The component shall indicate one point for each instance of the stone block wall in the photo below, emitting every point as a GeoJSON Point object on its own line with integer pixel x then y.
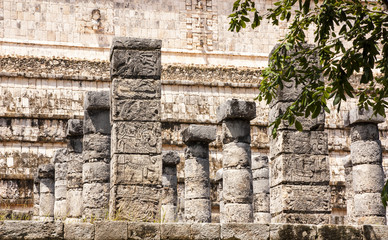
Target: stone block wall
{"type": "Point", "coordinates": [185, 231]}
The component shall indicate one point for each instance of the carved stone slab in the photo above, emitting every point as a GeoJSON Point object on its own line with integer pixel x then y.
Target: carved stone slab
{"type": "Point", "coordinates": [300, 198]}
{"type": "Point", "coordinates": [135, 63]}
{"type": "Point", "coordinates": [136, 89]}
{"type": "Point", "coordinates": [136, 137]}
{"type": "Point", "coordinates": [300, 169]}
{"type": "Point", "coordinates": [136, 169]}
{"type": "Point", "coordinates": [312, 142]}
{"type": "Point", "coordinates": [136, 110]}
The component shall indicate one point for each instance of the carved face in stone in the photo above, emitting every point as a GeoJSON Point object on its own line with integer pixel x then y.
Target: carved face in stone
{"type": "Point", "coordinates": [96, 15]}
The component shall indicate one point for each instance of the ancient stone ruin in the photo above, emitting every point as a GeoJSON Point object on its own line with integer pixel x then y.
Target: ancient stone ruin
{"type": "Point", "coordinates": [115, 179]}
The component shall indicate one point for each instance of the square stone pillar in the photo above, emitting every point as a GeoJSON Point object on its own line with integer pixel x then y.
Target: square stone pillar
{"type": "Point", "coordinates": [299, 165]}
{"type": "Point", "coordinates": [74, 134]}
{"type": "Point", "coordinates": [136, 167]}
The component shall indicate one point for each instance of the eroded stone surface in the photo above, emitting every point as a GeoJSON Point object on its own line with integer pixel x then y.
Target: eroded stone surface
{"type": "Point", "coordinates": [199, 133]}
{"type": "Point", "coordinates": [236, 109]}
{"type": "Point", "coordinates": [136, 137]}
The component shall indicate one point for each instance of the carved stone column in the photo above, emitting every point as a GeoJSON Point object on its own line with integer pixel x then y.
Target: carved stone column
{"type": "Point", "coordinates": [367, 170]}
{"type": "Point", "coordinates": [260, 173]}
{"type": "Point", "coordinates": [299, 164]}
{"type": "Point", "coordinates": [60, 164]}
{"type": "Point", "coordinates": [74, 133]}
{"type": "Point", "coordinates": [96, 155]}
{"type": "Point", "coordinates": [136, 168]}
{"type": "Point", "coordinates": [197, 180]}
{"type": "Point", "coordinates": [235, 116]}
{"type": "Point", "coordinates": [169, 199]}
{"type": "Point", "coordinates": [47, 188]}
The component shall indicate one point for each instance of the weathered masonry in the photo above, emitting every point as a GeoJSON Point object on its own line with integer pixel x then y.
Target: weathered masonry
{"type": "Point", "coordinates": [116, 180]}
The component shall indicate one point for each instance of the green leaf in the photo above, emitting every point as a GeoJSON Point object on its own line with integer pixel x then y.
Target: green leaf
{"type": "Point", "coordinates": [298, 125]}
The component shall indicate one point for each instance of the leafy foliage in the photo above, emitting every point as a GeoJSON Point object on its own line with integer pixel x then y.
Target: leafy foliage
{"type": "Point", "coordinates": [350, 39]}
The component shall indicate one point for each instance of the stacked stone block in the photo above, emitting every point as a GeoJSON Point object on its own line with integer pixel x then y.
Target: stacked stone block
{"type": "Point", "coordinates": [235, 116]}
{"type": "Point", "coordinates": [96, 155]}
{"type": "Point", "coordinates": [169, 211]}
{"type": "Point", "coordinates": [197, 179]}
{"type": "Point", "coordinates": [136, 167]}
{"type": "Point", "coordinates": [367, 170]}
{"type": "Point", "coordinates": [46, 175]}
{"type": "Point", "coordinates": [74, 133]}
{"type": "Point", "coordinates": [36, 189]}
{"type": "Point", "coordinates": [218, 179]}
{"type": "Point", "coordinates": [60, 164]}
{"type": "Point", "coordinates": [349, 193]}
{"type": "Point", "coordinates": [299, 169]}
{"type": "Point", "coordinates": [260, 174]}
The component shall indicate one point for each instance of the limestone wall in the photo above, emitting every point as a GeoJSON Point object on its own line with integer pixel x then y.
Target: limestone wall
{"type": "Point", "coordinates": [35, 105]}
{"type": "Point", "coordinates": [194, 31]}
{"type": "Point", "coordinates": [185, 231]}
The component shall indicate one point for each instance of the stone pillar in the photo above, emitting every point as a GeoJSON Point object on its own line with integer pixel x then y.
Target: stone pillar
{"type": "Point", "coordinates": [235, 116]}
{"type": "Point", "coordinates": [367, 170]}
{"type": "Point", "coordinates": [260, 173]}
{"type": "Point", "coordinates": [60, 164]}
{"type": "Point", "coordinates": [299, 164]}
{"type": "Point", "coordinates": [169, 200]}
{"type": "Point", "coordinates": [47, 187]}
{"type": "Point", "coordinates": [136, 167]}
{"type": "Point", "coordinates": [219, 192]}
{"type": "Point", "coordinates": [36, 189]}
{"type": "Point", "coordinates": [349, 194]}
{"type": "Point", "coordinates": [197, 179]}
{"type": "Point", "coordinates": [74, 133]}
{"type": "Point", "coordinates": [96, 155]}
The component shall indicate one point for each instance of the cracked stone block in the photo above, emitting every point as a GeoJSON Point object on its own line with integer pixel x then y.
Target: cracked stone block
{"type": "Point", "coordinates": [358, 115]}
{"type": "Point", "coordinates": [199, 133]}
{"type": "Point", "coordinates": [170, 158]}
{"type": "Point", "coordinates": [96, 100]}
{"type": "Point", "coordinates": [236, 155]}
{"type": "Point", "coordinates": [74, 128]}
{"type": "Point", "coordinates": [236, 130]}
{"type": "Point", "coordinates": [366, 152]}
{"type": "Point", "coordinates": [236, 109]}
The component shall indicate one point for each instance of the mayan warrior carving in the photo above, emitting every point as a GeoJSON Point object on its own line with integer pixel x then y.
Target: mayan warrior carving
{"type": "Point", "coordinates": [197, 180]}
{"type": "Point", "coordinates": [136, 167]}
{"type": "Point", "coordinates": [299, 185]}
{"type": "Point", "coordinates": [235, 116]}
{"type": "Point", "coordinates": [60, 163]}
{"type": "Point", "coordinates": [74, 133]}
{"type": "Point", "coordinates": [96, 155]}
{"type": "Point", "coordinates": [260, 174]}
{"type": "Point", "coordinates": [46, 191]}
{"type": "Point", "coordinates": [367, 170]}
{"type": "Point", "coordinates": [169, 199]}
